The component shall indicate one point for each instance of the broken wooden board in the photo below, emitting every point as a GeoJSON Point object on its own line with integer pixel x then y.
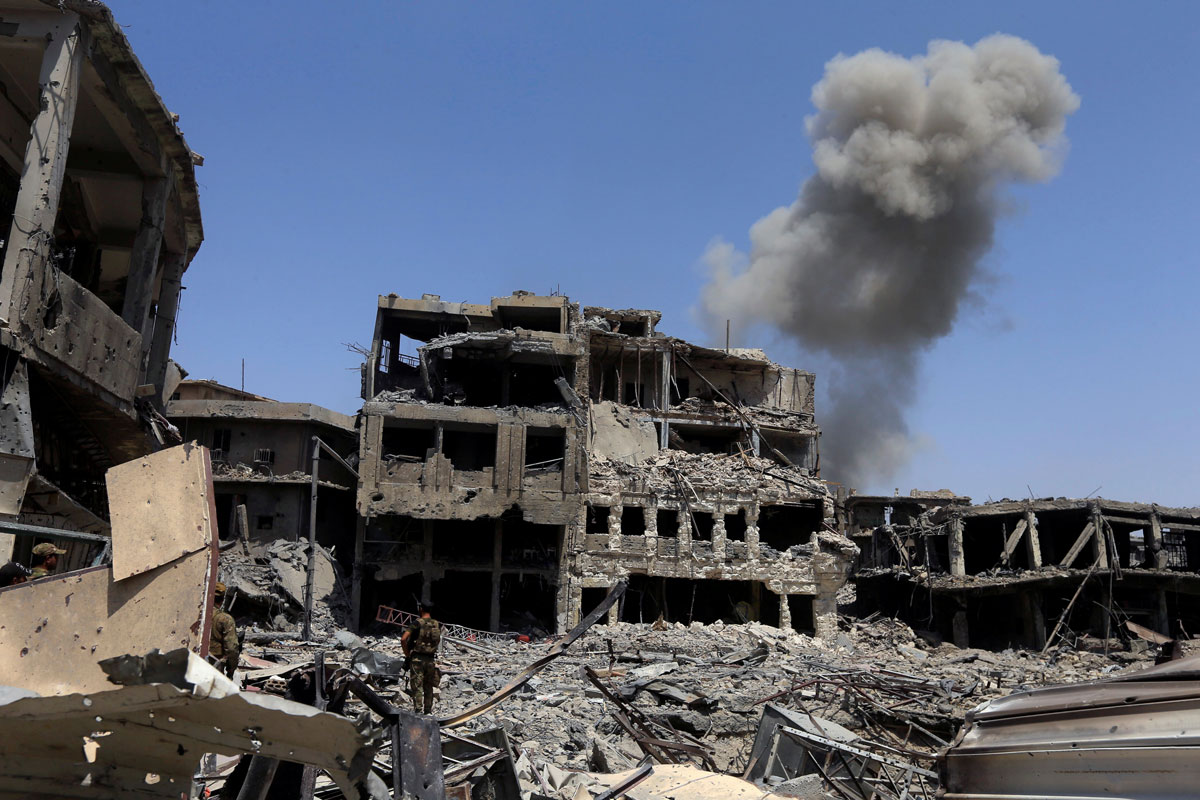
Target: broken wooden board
{"type": "Point", "coordinates": [162, 507]}
{"type": "Point", "coordinates": [53, 631]}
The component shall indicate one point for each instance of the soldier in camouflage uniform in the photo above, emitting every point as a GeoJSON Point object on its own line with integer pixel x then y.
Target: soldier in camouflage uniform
{"type": "Point", "coordinates": [420, 643]}
{"type": "Point", "coordinates": [45, 560]}
{"type": "Point", "coordinates": [223, 645]}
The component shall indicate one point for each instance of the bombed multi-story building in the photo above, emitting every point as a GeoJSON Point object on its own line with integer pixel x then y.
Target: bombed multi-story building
{"type": "Point", "coordinates": [518, 458]}
{"type": "Point", "coordinates": [1028, 573]}
{"type": "Point", "coordinates": [99, 203]}
{"type": "Point", "coordinates": [262, 453]}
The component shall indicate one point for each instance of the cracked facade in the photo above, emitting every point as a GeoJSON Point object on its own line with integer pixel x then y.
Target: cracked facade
{"type": "Point", "coordinates": [518, 457]}
{"type": "Point", "coordinates": [1006, 573]}
{"type": "Point", "coordinates": [99, 204]}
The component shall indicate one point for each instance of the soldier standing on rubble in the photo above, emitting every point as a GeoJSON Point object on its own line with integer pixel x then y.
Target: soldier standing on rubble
{"type": "Point", "coordinates": [420, 643]}
{"type": "Point", "coordinates": [223, 644]}
{"type": "Point", "coordinates": [45, 560]}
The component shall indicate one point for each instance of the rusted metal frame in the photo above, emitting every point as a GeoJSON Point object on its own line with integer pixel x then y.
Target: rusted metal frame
{"type": "Point", "coordinates": [619, 790]}
{"type": "Point", "coordinates": [464, 768]}
{"type": "Point", "coordinates": [537, 666]}
{"type": "Point", "coordinates": [1066, 611]}
{"type": "Point", "coordinates": [626, 716]}
{"type": "Point", "coordinates": [824, 773]}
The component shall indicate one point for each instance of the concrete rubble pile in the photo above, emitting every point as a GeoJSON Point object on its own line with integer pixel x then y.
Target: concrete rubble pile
{"type": "Point", "coordinates": [266, 586]}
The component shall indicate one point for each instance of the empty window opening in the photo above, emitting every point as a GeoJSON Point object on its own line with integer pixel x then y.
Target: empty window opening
{"type": "Point", "coordinates": [527, 604]}
{"type": "Point", "coordinates": [781, 527]}
{"type": "Point", "coordinates": [702, 526]}
{"type": "Point", "coordinates": [464, 542]}
{"type": "Point", "coordinates": [706, 601]}
{"type": "Point", "coordinates": [532, 318]}
{"type": "Point", "coordinates": [735, 526]}
{"type": "Point", "coordinates": [545, 449]}
{"type": "Point", "coordinates": [801, 608]}
{"type": "Point", "coordinates": [668, 523]}
{"type": "Point", "coordinates": [681, 389]}
{"type": "Point", "coordinates": [590, 598]}
{"type": "Point", "coordinates": [707, 439]}
{"type": "Point", "coordinates": [266, 522]}
{"type": "Point", "coordinates": [469, 381]}
{"type": "Point", "coordinates": [221, 440]}
{"type": "Point", "coordinates": [533, 384]}
{"type": "Point", "coordinates": [597, 519]}
{"type": "Point", "coordinates": [1174, 544]}
{"type": "Point", "coordinates": [634, 327]}
{"type": "Point", "coordinates": [635, 395]}
{"type": "Point", "coordinates": [463, 597]}
{"type": "Point", "coordinates": [385, 355]}
{"type": "Point", "coordinates": [470, 449]}
{"type": "Point", "coordinates": [984, 539]}
{"type": "Point", "coordinates": [633, 521]}
{"type": "Point", "coordinates": [405, 443]}
{"type": "Point", "coordinates": [1057, 532]}
{"type": "Point", "coordinates": [529, 545]}
{"type": "Point", "coordinates": [265, 456]}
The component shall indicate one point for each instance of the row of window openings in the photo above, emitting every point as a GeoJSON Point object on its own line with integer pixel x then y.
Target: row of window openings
{"type": "Point", "coordinates": [633, 523]}
{"type": "Point", "coordinates": [472, 450]}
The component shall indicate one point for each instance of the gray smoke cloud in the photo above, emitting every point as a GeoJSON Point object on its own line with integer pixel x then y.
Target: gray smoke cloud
{"type": "Point", "coordinates": [873, 261]}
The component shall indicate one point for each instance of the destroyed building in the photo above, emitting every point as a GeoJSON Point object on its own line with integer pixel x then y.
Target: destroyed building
{"type": "Point", "coordinates": [99, 203]}
{"type": "Point", "coordinates": [262, 453]}
{"type": "Point", "coordinates": [1027, 572]}
{"type": "Point", "coordinates": [521, 457]}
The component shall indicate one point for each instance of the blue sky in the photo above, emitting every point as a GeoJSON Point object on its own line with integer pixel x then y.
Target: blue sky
{"type": "Point", "coordinates": [469, 150]}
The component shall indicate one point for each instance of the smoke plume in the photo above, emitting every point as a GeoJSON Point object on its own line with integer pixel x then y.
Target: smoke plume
{"type": "Point", "coordinates": [872, 262]}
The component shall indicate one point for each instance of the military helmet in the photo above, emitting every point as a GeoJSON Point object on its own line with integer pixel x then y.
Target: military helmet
{"type": "Point", "coordinates": [48, 549]}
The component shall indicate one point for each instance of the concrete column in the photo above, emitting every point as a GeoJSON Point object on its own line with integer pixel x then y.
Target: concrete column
{"type": "Point", "coordinates": [962, 636]}
{"type": "Point", "coordinates": [574, 602]}
{"type": "Point", "coordinates": [785, 613]}
{"type": "Point", "coordinates": [958, 561]}
{"type": "Point", "coordinates": [718, 533]}
{"type": "Point", "coordinates": [752, 533]}
{"type": "Point", "coordinates": [825, 613]}
{"type": "Point", "coordinates": [45, 164]}
{"type": "Point", "coordinates": [1157, 557]}
{"type": "Point", "coordinates": [614, 613]}
{"type": "Point", "coordinates": [1162, 622]}
{"type": "Point", "coordinates": [143, 257]}
{"type": "Point", "coordinates": [497, 551]}
{"type": "Point", "coordinates": [1100, 554]}
{"type": "Point", "coordinates": [684, 545]}
{"type": "Point", "coordinates": [164, 320]}
{"type": "Point", "coordinates": [1033, 544]}
{"type": "Point", "coordinates": [614, 526]}
{"type": "Point", "coordinates": [1032, 620]}
{"type": "Point", "coordinates": [650, 518]}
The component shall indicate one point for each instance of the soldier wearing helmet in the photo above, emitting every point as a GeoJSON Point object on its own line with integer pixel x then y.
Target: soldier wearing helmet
{"type": "Point", "coordinates": [45, 560]}
{"type": "Point", "coordinates": [223, 645]}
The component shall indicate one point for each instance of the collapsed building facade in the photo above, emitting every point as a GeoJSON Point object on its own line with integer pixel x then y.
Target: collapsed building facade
{"type": "Point", "coordinates": [1028, 572]}
{"type": "Point", "coordinates": [518, 459]}
{"type": "Point", "coordinates": [99, 206]}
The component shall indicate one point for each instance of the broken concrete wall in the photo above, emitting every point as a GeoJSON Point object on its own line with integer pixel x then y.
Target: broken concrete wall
{"type": "Point", "coordinates": [157, 594]}
{"type": "Point", "coordinates": [621, 435]}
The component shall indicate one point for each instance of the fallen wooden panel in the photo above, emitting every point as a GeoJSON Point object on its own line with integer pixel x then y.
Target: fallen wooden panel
{"type": "Point", "coordinates": [146, 740]}
{"type": "Point", "coordinates": [53, 631]}
{"type": "Point", "coordinates": [162, 507]}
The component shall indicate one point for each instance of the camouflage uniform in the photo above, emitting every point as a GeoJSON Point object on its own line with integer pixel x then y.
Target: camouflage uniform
{"type": "Point", "coordinates": [423, 675]}
{"type": "Point", "coordinates": [223, 643]}
{"type": "Point", "coordinates": [38, 572]}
